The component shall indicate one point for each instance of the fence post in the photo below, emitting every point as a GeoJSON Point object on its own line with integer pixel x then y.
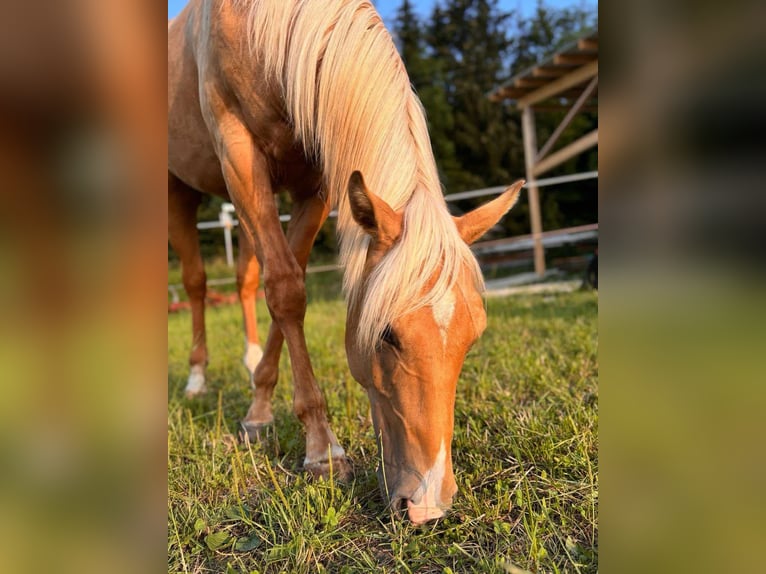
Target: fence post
{"type": "Point", "coordinates": [529, 133]}
{"type": "Point", "coordinates": [227, 222]}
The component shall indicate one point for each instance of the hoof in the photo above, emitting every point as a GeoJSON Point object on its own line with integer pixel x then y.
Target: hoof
{"type": "Point", "coordinates": [255, 432]}
{"type": "Point", "coordinates": [341, 469]}
{"type": "Point", "coordinates": [195, 386]}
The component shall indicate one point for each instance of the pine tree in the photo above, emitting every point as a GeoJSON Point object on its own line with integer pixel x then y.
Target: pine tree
{"type": "Point", "coordinates": [470, 40]}
{"type": "Point", "coordinates": [465, 49]}
{"type": "Point", "coordinates": [426, 75]}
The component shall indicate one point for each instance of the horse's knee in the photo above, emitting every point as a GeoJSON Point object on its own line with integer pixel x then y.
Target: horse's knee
{"type": "Point", "coordinates": [195, 281]}
{"type": "Point", "coordinates": [286, 297]}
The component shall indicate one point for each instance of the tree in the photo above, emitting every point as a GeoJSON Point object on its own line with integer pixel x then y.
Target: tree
{"type": "Point", "coordinates": [469, 39]}
{"type": "Point", "coordinates": [465, 49]}
{"type": "Point", "coordinates": [549, 30]}
{"type": "Point", "coordinates": [427, 77]}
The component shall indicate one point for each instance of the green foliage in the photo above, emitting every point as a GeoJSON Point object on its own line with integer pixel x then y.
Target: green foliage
{"type": "Point", "coordinates": [549, 30]}
{"type": "Point", "coordinates": [525, 452]}
{"type": "Point", "coordinates": [464, 50]}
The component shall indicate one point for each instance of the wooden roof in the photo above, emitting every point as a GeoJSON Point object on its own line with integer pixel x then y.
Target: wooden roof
{"type": "Point", "coordinates": [565, 75]}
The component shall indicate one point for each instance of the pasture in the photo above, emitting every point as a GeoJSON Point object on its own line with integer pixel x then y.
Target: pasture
{"type": "Point", "coordinates": [525, 452]}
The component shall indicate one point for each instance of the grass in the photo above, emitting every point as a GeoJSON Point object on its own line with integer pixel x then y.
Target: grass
{"type": "Point", "coordinates": [525, 453]}
{"type": "Point", "coordinates": [320, 286]}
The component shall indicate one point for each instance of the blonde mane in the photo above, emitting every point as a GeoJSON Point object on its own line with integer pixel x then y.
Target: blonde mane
{"type": "Point", "coordinates": [349, 98]}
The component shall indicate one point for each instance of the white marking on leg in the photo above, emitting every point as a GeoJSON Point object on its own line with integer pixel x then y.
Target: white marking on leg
{"type": "Point", "coordinates": [196, 383]}
{"type": "Point", "coordinates": [253, 356]}
{"type": "Point", "coordinates": [336, 451]}
{"type": "Point", "coordinates": [443, 310]}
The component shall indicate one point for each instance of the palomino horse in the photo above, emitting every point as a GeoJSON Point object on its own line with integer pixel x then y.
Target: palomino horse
{"type": "Point", "coordinates": [312, 97]}
{"type": "Point", "coordinates": [182, 234]}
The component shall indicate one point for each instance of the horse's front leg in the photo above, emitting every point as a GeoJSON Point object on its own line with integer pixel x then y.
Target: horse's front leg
{"type": "Point", "coordinates": [306, 218]}
{"type": "Point", "coordinates": [247, 177]}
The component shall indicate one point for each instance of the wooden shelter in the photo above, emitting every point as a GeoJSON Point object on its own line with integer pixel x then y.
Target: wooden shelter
{"type": "Point", "coordinates": [566, 80]}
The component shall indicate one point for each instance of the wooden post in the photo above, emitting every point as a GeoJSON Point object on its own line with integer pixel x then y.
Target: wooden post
{"type": "Point", "coordinates": [530, 153]}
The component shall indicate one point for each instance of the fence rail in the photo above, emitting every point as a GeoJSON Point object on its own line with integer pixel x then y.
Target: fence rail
{"type": "Point", "coordinates": [550, 238]}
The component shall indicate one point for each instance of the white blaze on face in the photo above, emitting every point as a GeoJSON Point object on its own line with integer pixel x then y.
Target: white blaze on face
{"type": "Point", "coordinates": [426, 503]}
{"type": "Point", "coordinates": [443, 310]}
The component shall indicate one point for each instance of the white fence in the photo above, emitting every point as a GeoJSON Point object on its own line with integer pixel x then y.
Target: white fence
{"type": "Point", "coordinates": [552, 238]}
{"type": "Point", "coordinates": [227, 222]}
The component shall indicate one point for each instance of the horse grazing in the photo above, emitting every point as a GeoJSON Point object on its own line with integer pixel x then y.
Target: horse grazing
{"type": "Point", "coordinates": [312, 97]}
{"type": "Point", "coordinates": [183, 201]}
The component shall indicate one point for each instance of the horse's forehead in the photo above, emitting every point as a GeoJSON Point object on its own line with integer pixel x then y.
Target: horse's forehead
{"type": "Point", "coordinates": [443, 310]}
{"type": "Point", "coordinates": [455, 314]}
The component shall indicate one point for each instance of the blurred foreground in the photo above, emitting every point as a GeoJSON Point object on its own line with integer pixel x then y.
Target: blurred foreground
{"type": "Point", "coordinates": [82, 295]}
{"type": "Point", "coordinates": [682, 287]}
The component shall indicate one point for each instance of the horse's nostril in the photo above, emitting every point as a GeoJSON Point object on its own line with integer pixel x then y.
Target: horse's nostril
{"type": "Point", "coordinates": [399, 505]}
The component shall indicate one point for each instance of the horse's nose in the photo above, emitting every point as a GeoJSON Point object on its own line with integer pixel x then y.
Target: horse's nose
{"type": "Point", "coordinates": [421, 513]}
{"type": "Point", "coordinates": [419, 506]}
{"type": "Point", "coordinates": [399, 504]}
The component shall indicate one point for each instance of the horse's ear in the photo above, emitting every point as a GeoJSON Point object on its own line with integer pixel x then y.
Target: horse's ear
{"type": "Point", "coordinates": [476, 223]}
{"type": "Point", "coordinates": [373, 214]}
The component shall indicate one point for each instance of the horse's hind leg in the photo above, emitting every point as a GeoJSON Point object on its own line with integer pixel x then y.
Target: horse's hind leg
{"type": "Point", "coordinates": [182, 234]}
{"type": "Point", "coordinates": [248, 275]}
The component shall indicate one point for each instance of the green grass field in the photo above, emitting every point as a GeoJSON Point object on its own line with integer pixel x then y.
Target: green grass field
{"type": "Point", "coordinates": [525, 453]}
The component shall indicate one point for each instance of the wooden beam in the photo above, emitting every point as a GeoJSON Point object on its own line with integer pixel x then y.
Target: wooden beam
{"type": "Point", "coordinates": [566, 153]}
{"type": "Point", "coordinates": [567, 119]}
{"type": "Point", "coordinates": [587, 45]}
{"type": "Point", "coordinates": [508, 93]}
{"type": "Point", "coordinates": [530, 82]}
{"type": "Point", "coordinates": [511, 93]}
{"type": "Point", "coordinates": [572, 94]}
{"type": "Point", "coordinates": [517, 238]}
{"type": "Point", "coordinates": [548, 72]}
{"type": "Point", "coordinates": [529, 134]}
{"type": "Point", "coordinates": [555, 108]}
{"type": "Point", "coordinates": [572, 59]}
{"type": "Point", "coordinates": [578, 76]}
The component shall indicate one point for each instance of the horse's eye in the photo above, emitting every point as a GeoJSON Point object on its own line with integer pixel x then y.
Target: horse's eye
{"type": "Point", "coordinates": [388, 337]}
